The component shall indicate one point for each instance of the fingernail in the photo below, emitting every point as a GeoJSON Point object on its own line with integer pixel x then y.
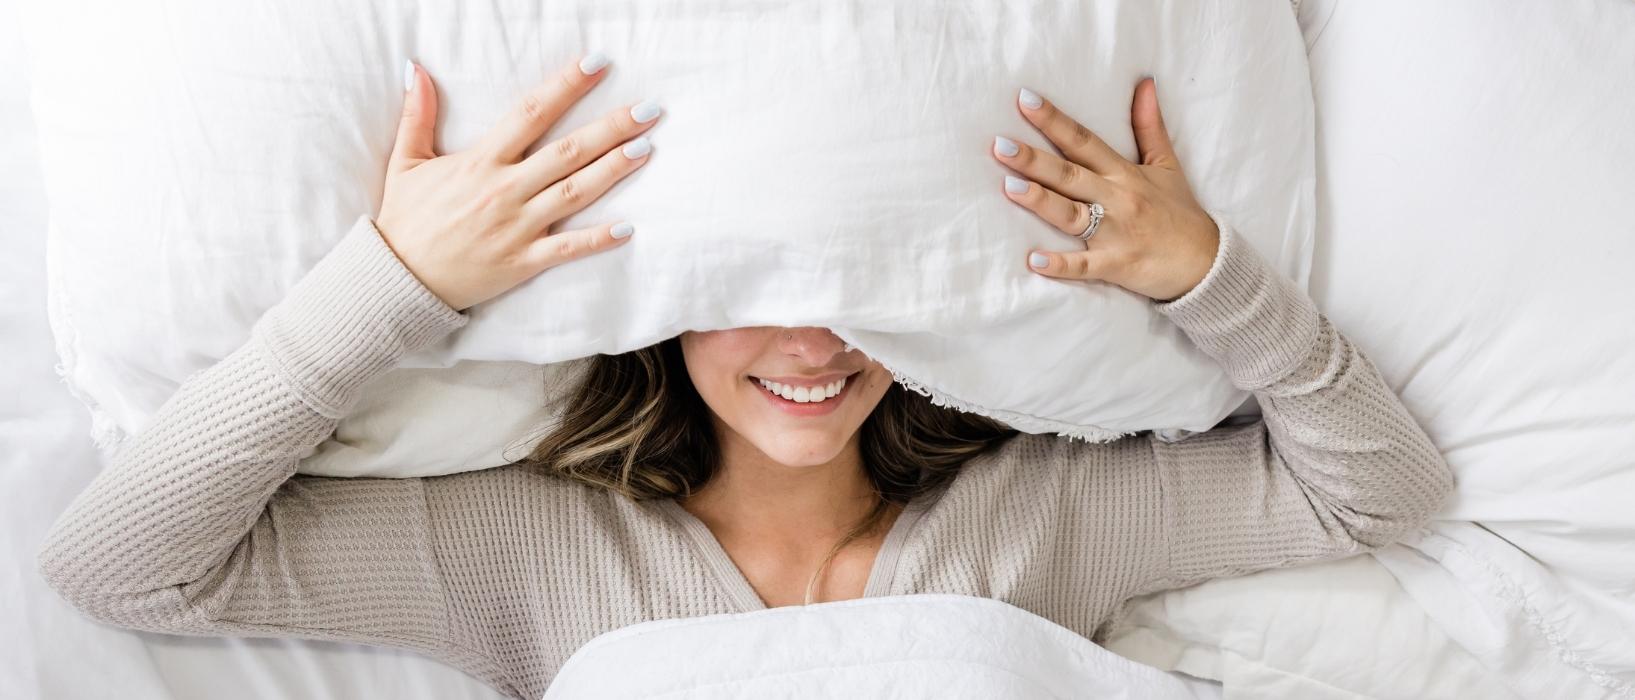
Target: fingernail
{"type": "Point", "coordinates": [623, 230]}
{"type": "Point", "coordinates": [1038, 259]}
{"type": "Point", "coordinates": [592, 62]}
{"type": "Point", "coordinates": [637, 148]}
{"type": "Point", "coordinates": [1015, 185]}
{"type": "Point", "coordinates": [1030, 99]}
{"type": "Point", "coordinates": [408, 75]}
{"type": "Point", "coordinates": [645, 111]}
{"type": "Point", "coordinates": [1005, 147]}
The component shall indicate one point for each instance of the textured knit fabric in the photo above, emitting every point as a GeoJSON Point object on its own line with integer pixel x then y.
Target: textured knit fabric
{"type": "Point", "coordinates": [200, 525]}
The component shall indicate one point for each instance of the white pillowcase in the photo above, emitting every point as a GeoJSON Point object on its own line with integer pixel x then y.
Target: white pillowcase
{"type": "Point", "coordinates": [814, 166]}
{"type": "Point", "coordinates": [1342, 628]}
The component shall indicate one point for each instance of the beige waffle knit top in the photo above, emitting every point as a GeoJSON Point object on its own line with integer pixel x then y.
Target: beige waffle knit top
{"type": "Point", "coordinates": [200, 525]}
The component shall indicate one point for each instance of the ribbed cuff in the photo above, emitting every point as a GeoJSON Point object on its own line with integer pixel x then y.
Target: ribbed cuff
{"type": "Point", "coordinates": [350, 319]}
{"type": "Point", "coordinates": [1249, 317]}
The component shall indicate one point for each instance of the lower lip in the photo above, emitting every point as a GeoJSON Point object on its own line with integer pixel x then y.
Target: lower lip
{"type": "Point", "coordinates": [793, 408]}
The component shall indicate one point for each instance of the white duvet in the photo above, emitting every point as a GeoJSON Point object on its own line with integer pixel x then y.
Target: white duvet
{"type": "Point", "coordinates": [915, 646]}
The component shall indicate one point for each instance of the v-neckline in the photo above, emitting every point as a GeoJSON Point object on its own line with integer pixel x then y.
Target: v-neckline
{"type": "Point", "coordinates": [737, 586]}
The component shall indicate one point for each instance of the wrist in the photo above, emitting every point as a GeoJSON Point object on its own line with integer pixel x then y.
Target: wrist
{"type": "Point", "coordinates": [1197, 263]}
{"type": "Point", "coordinates": [350, 318]}
{"type": "Point", "coordinates": [1246, 315]}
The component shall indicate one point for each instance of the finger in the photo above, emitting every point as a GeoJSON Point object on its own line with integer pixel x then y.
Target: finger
{"type": "Point", "coordinates": [414, 128]}
{"type": "Point", "coordinates": [1148, 123]}
{"type": "Point", "coordinates": [1078, 143]}
{"type": "Point", "coordinates": [576, 191]}
{"type": "Point", "coordinates": [566, 246]}
{"type": "Point", "coordinates": [570, 153]}
{"type": "Point", "coordinates": [1050, 170]}
{"type": "Point", "coordinates": [1088, 264]}
{"type": "Point", "coordinates": [541, 107]}
{"type": "Point", "coordinates": [1067, 215]}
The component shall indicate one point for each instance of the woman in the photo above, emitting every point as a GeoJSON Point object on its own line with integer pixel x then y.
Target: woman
{"type": "Point", "coordinates": [682, 482]}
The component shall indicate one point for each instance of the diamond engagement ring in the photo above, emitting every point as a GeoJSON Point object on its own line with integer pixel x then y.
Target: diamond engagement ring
{"type": "Point", "coordinates": [1096, 212]}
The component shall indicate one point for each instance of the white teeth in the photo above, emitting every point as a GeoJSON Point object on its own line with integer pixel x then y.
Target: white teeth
{"type": "Point", "coordinates": [805, 394]}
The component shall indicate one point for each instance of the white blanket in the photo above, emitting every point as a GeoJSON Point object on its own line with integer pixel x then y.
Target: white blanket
{"type": "Point", "coordinates": [916, 646]}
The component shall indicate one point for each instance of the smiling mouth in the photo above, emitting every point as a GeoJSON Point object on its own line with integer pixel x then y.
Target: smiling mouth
{"type": "Point", "coordinates": [815, 396]}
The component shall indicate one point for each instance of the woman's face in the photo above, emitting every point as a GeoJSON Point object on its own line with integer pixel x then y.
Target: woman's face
{"type": "Point", "coordinates": [728, 366]}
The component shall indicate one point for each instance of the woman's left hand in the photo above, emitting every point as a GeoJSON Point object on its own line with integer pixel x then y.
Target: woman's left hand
{"type": "Point", "coordinates": [1154, 239]}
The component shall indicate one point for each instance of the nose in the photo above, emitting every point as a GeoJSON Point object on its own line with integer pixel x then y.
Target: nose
{"type": "Point", "coordinates": [816, 346]}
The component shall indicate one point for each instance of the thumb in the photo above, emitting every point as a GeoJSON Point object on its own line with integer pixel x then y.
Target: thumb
{"type": "Point", "coordinates": [1148, 123]}
{"type": "Point", "coordinates": [414, 129]}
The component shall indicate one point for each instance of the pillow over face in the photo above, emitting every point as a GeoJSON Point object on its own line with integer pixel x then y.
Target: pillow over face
{"type": "Point", "coordinates": [816, 165]}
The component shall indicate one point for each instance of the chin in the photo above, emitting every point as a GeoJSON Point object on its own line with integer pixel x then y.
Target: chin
{"type": "Point", "coordinates": [797, 450]}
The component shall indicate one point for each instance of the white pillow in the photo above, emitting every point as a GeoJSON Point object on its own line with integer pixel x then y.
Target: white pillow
{"type": "Point", "coordinates": [1342, 628]}
{"type": "Point", "coordinates": [1476, 241]}
{"type": "Point", "coordinates": [815, 166]}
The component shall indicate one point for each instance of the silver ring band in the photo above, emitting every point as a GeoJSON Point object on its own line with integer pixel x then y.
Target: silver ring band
{"type": "Point", "coordinates": [1096, 212]}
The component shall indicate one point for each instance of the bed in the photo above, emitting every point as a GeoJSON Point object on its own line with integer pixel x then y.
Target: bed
{"type": "Point", "coordinates": [1416, 599]}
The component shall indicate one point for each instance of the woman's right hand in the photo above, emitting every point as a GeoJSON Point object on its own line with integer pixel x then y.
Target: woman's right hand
{"type": "Point", "coordinates": [473, 224]}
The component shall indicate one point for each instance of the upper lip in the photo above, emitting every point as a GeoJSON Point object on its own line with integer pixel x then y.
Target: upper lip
{"type": "Point", "coordinates": [808, 382]}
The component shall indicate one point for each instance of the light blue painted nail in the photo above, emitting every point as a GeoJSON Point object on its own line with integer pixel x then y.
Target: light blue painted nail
{"type": "Point", "coordinates": [645, 111]}
{"type": "Point", "coordinates": [408, 75]}
{"type": "Point", "coordinates": [1038, 259]}
{"type": "Point", "coordinates": [637, 148]}
{"type": "Point", "coordinates": [622, 230]}
{"type": "Point", "coordinates": [592, 62]}
{"type": "Point", "coordinates": [1015, 185]}
{"type": "Point", "coordinates": [1005, 147]}
{"type": "Point", "coordinates": [1030, 99]}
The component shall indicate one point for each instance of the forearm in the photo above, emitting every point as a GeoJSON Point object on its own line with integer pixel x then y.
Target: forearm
{"type": "Point", "coordinates": [180, 495]}
{"type": "Point", "coordinates": [1337, 463]}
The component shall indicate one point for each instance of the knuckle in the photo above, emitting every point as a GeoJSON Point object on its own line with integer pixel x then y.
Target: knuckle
{"type": "Point", "coordinates": [1078, 217]}
{"type": "Point", "coordinates": [1076, 266]}
{"type": "Point", "coordinates": [564, 247]}
{"type": "Point", "coordinates": [1024, 156]}
{"type": "Point", "coordinates": [1035, 197]}
{"type": "Point", "coordinates": [1120, 259]}
{"type": "Point", "coordinates": [570, 80]}
{"type": "Point", "coordinates": [1079, 135]}
{"type": "Point", "coordinates": [568, 148]}
{"type": "Point", "coordinates": [469, 165]}
{"type": "Point", "coordinates": [1138, 205]}
{"type": "Point", "coordinates": [570, 192]}
{"type": "Point", "coordinates": [1067, 172]}
{"type": "Point", "coordinates": [490, 197]}
{"type": "Point", "coordinates": [1125, 201]}
{"type": "Point", "coordinates": [536, 108]}
{"type": "Point", "coordinates": [1095, 265]}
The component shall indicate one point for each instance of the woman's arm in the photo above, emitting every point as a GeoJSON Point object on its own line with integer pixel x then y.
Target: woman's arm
{"type": "Point", "coordinates": [1335, 466]}
{"type": "Point", "coordinates": [196, 527]}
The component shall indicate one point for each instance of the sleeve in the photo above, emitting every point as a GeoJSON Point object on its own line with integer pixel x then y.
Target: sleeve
{"type": "Point", "coordinates": [197, 527]}
{"type": "Point", "coordinates": [1335, 466]}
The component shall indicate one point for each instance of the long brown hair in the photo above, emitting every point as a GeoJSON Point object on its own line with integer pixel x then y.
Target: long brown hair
{"type": "Point", "coordinates": [635, 424]}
